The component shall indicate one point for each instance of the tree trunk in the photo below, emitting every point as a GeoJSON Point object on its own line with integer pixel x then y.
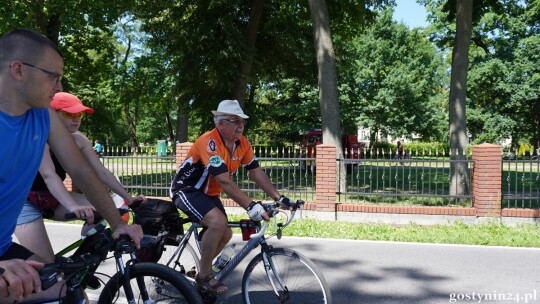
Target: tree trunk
{"type": "Point", "coordinates": [182, 118]}
{"type": "Point", "coordinates": [459, 174]}
{"type": "Point", "coordinates": [132, 128]}
{"type": "Point", "coordinates": [327, 77]}
{"type": "Point", "coordinates": [244, 68]}
{"type": "Point", "coordinates": [168, 119]}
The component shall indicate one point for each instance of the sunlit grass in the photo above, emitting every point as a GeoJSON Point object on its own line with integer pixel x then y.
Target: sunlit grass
{"type": "Point", "coordinates": [492, 233]}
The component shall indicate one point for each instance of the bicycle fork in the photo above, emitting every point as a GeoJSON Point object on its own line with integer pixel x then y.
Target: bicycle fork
{"type": "Point", "coordinates": [274, 277]}
{"type": "Point", "coordinates": [127, 285]}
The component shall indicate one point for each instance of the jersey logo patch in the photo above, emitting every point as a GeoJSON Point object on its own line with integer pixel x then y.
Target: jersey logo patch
{"type": "Point", "coordinates": [211, 145]}
{"type": "Point", "coordinates": [215, 161]}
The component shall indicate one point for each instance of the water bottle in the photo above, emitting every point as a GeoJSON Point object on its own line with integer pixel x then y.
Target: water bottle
{"type": "Point", "coordinates": [226, 255]}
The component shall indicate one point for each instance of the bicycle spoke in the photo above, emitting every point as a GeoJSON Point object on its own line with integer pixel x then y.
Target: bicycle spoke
{"type": "Point", "coordinates": [303, 283]}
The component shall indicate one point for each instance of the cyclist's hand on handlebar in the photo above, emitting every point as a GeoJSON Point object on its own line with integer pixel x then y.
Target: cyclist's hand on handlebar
{"type": "Point", "coordinates": [133, 231]}
{"type": "Point", "coordinates": [256, 212]}
{"type": "Point", "coordinates": [284, 201]}
{"type": "Point", "coordinates": [84, 213]}
{"type": "Point", "coordinates": [139, 199]}
{"type": "Point", "coordinates": [19, 278]}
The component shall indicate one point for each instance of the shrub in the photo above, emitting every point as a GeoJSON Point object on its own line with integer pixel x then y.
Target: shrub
{"type": "Point", "coordinates": [525, 150]}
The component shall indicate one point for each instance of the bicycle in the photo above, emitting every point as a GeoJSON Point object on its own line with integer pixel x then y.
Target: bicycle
{"type": "Point", "coordinates": [275, 275]}
{"type": "Point", "coordinates": [135, 282]}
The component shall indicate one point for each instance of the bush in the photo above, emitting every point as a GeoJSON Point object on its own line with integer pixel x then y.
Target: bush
{"type": "Point", "coordinates": [525, 150]}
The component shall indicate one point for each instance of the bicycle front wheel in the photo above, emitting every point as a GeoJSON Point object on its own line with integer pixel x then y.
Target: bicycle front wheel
{"type": "Point", "coordinates": [151, 283]}
{"type": "Point", "coordinates": [284, 276]}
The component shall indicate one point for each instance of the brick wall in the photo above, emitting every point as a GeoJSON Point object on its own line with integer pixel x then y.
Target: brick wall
{"type": "Point", "coordinates": [70, 186]}
{"type": "Point", "coordinates": [326, 178]}
{"type": "Point", "coordinates": [487, 179]}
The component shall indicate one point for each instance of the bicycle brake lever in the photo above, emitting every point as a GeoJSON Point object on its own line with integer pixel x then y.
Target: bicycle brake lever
{"type": "Point", "coordinates": [125, 245]}
{"type": "Point", "coordinates": [48, 278]}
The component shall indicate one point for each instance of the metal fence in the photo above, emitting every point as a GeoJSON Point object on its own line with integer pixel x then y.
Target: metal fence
{"type": "Point", "coordinates": [423, 178]}
{"type": "Point", "coordinates": [521, 182]}
{"type": "Point", "coordinates": [420, 178]}
{"type": "Point", "coordinates": [141, 171]}
{"type": "Point", "coordinates": [291, 174]}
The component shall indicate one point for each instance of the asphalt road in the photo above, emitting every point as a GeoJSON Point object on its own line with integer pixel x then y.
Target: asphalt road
{"type": "Point", "coordinates": [392, 273]}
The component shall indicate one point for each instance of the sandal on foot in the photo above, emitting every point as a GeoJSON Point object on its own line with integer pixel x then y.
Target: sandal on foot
{"type": "Point", "coordinates": [203, 285]}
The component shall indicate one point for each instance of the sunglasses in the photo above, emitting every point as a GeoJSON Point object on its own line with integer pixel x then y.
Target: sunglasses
{"type": "Point", "coordinates": [67, 115]}
{"type": "Point", "coordinates": [238, 122]}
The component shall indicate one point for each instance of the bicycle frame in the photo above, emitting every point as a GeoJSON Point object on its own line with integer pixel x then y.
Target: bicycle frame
{"type": "Point", "coordinates": [73, 284]}
{"type": "Point", "coordinates": [254, 241]}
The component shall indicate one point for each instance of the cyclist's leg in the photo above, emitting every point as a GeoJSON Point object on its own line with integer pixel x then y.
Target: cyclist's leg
{"type": "Point", "coordinates": [31, 233]}
{"type": "Point", "coordinates": [208, 211]}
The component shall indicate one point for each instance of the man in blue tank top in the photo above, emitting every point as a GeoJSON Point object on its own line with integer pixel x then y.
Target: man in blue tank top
{"type": "Point", "coordinates": [31, 69]}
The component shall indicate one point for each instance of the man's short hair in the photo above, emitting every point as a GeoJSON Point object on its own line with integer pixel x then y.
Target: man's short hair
{"type": "Point", "coordinates": [24, 44]}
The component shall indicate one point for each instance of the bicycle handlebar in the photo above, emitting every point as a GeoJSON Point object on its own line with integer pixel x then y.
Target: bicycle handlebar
{"type": "Point", "coordinates": [272, 209]}
{"type": "Point", "coordinates": [51, 273]}
{"type": "Point", "coordinates": [97, 217]}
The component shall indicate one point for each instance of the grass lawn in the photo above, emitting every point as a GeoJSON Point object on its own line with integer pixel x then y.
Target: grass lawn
{"type": "Point", "coordinates": [492, 233]}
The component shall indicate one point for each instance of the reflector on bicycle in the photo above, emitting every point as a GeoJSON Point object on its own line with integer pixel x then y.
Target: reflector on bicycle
{"type": "Point", "coordinates": [248, 228]}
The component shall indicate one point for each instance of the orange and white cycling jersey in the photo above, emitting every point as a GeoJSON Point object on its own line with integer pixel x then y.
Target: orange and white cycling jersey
{"type": "Point", "coordinates": [209, 157]}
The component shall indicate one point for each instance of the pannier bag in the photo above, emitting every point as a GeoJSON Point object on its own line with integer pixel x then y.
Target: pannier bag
{"type": "Point", "coordinates": [151, 249]}
{"type": "Point", "coordinates": [157, 215]}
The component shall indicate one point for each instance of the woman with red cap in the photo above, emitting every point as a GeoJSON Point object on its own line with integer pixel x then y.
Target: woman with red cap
{"type": "Point", "coordinates": [49, 197]}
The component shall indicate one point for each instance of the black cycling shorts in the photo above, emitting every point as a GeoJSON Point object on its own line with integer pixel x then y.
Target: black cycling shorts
{"type": "Point", "coordinates": [197, 204]}
{"type": "Point", "coordinates": [16, 251]}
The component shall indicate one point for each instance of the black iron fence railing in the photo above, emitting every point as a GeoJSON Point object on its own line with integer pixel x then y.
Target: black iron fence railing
{"type": "Point", "coordinates": [521, 183]}
{"type": "Point", "coordinates": [409, 181]}
{"type": "Point", "coordinates": [379, 178]}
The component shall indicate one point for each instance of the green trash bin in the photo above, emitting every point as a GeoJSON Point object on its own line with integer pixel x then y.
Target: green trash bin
{"type": "Point", "coordinates": [161, 148]}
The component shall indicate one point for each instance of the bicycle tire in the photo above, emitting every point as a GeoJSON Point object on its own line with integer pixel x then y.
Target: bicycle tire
{"type": "Point", "coordinates": [163, 284]}
{"type": "Point", "coordinates": [304, 281]}
{"type": "Point", "coordinates": [187, 262]}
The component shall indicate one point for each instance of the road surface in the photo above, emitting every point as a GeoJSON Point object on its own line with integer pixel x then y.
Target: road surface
{"type": "Point", "coordinates": [393, 272]}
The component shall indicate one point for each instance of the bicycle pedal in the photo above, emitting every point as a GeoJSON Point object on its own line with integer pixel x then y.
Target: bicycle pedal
{"type": "Point", "coordinates": [192, 273]}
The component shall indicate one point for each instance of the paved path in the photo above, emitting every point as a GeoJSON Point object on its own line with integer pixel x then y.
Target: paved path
{"type": "Point", "coordinates": [392, 273]}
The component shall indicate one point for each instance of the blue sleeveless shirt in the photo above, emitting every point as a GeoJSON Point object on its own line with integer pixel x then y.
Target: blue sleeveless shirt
{"type": "Point", "coordinates": [22, 141]}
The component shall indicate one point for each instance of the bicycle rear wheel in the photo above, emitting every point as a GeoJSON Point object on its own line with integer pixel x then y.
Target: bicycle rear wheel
{"type": "Point", "coordinates": [162, 284]}
{"type": "Point", "coordinates": [188, 263]}
{"type": "Point", "coordinates": [301, 281]}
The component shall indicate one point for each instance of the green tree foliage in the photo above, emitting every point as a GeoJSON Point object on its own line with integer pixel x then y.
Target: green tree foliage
{"type": "Point", "coordinates": [83, 30]}
{"type": "Point", "coordinates": [503, 95]}
{"type": "Point", "coordinates": [393, 80]}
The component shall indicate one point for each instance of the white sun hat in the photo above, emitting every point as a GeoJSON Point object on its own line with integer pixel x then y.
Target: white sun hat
{"type": "Point", "coordinates": [230, 107]}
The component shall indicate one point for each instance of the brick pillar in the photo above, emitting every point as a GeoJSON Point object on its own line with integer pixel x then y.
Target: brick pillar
{"type": "Point", "coordinates": [325, 192]}
{"type": "Point", "coordinates": [70, 186]}
{"type": "Point", "coordinates": [487, 179]}
{"type": "Point", "coordinates": [181, 152]}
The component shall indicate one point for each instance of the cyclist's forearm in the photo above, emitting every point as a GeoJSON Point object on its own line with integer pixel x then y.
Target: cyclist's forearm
{"type": "Point", "coordinates": [96, 192]}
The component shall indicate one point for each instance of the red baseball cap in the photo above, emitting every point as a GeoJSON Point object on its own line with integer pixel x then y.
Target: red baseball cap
{"type": "Point", "coordinates": [69, 103]}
